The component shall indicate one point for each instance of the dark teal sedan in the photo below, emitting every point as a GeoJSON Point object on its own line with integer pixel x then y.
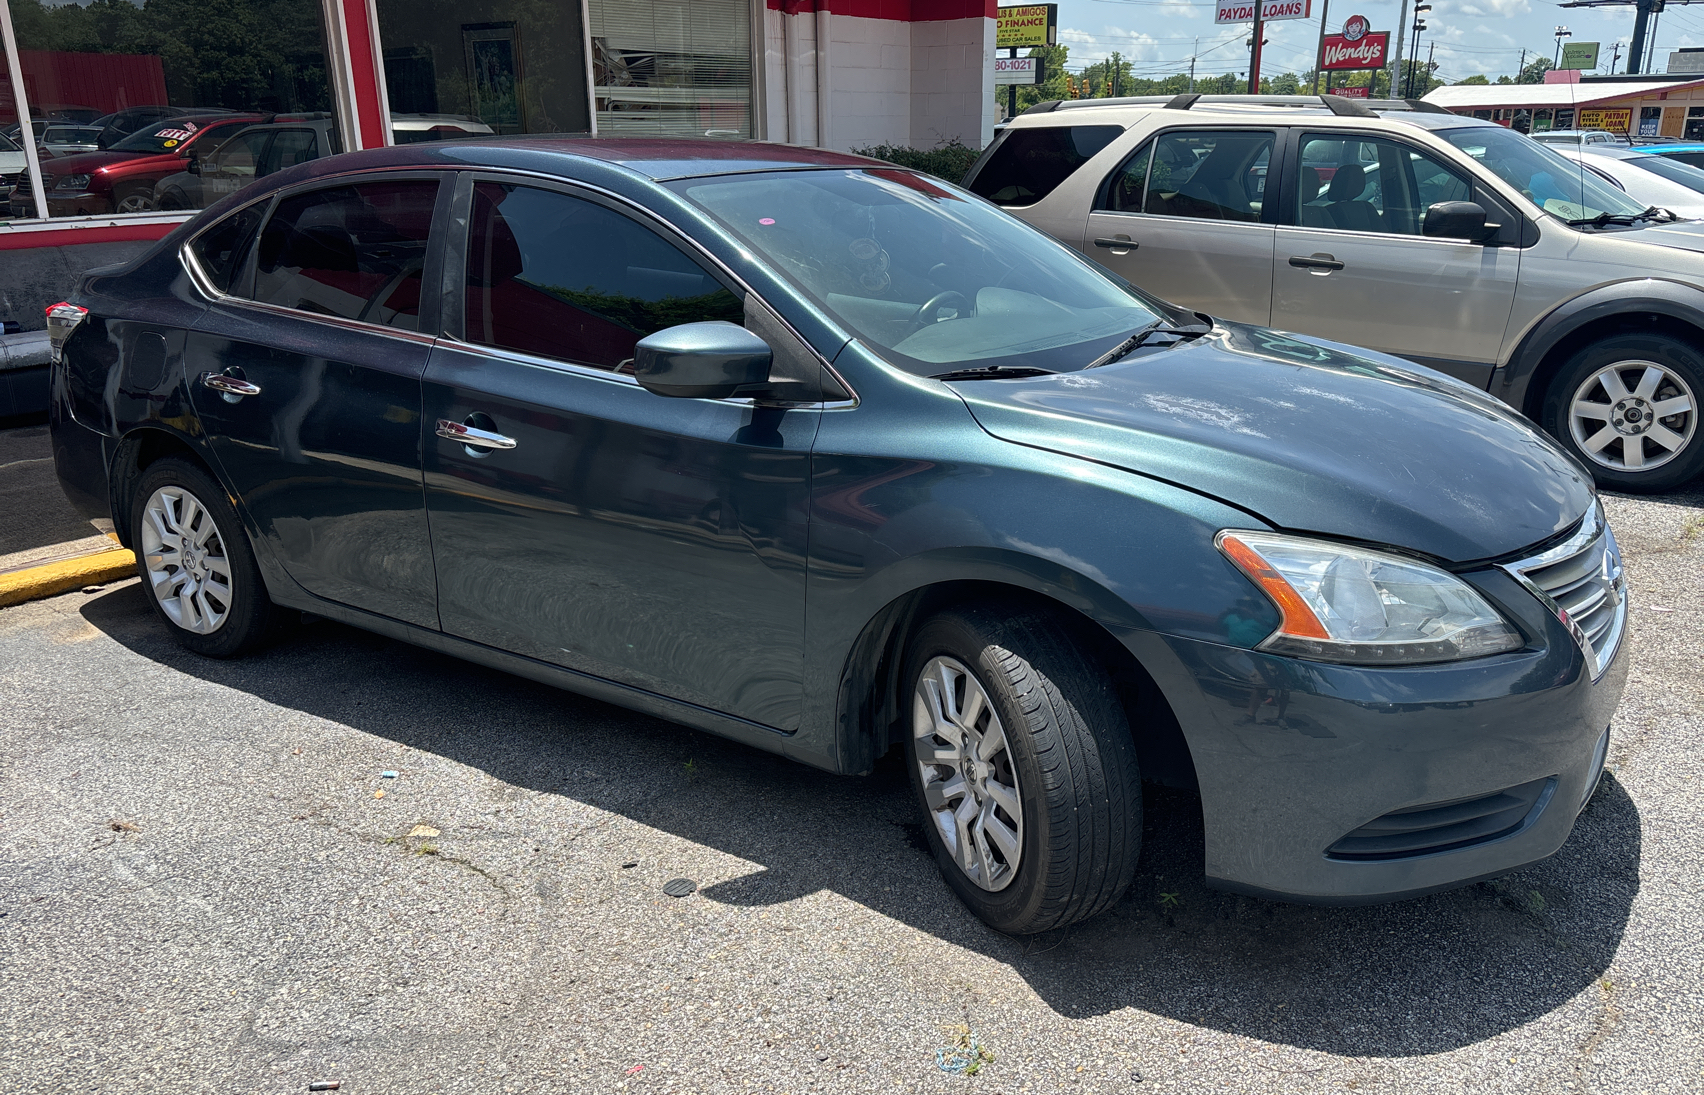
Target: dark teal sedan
{"type": "Point", "coordinates": [834, 458]}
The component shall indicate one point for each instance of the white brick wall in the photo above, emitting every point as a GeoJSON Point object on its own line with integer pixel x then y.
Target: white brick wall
{"type": "Point", "coordinates": [889, 81]}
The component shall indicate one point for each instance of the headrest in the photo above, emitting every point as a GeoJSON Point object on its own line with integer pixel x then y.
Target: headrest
{"type": "Point", "coordinates": [1347, 183]}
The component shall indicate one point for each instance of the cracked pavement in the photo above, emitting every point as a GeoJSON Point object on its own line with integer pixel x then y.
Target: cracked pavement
{"type": "Point", "coordinates": [202, 888]}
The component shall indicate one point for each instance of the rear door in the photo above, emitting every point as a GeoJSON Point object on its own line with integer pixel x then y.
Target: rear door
{"type": "Point", "coordinates": [1352, 266]}
{"type": "Point", "coordinates": [325, 326]}
{"type": "Point", "coordinates": [1186, 218]}
{"type": "Point", "coordinates": [654, 541]}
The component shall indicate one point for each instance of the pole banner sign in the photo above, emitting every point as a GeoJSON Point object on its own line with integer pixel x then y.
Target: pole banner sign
{"type": "Point", "coordinates": [1015, 70]}
{"type": "Point", "coordinates": [1026, 25]}
{"type": "Point", "coordinates": [1580, 56]}
{"type": "Point", "coordinates": [1365, 51]}
{"type": "Point", "coordinates": [1242, 11]}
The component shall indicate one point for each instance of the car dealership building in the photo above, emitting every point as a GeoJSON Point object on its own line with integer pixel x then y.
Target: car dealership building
{"type": "Point", "coordinates": [296, 79]}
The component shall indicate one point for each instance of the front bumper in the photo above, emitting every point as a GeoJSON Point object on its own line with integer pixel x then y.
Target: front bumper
{"type": "Point", "coordinates": [1293, 757]}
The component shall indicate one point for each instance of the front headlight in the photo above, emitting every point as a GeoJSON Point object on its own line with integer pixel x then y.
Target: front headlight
{"type": "Point", "coordinates": [73, 182]}
{"type": "Point", "coordinates": [1346, 604]}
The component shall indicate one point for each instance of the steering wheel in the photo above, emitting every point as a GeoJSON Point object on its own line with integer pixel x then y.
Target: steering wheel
{"type": "Point", "coordinates": [920, 318]}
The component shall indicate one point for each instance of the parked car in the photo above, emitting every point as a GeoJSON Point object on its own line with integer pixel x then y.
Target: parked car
{"type": "Point", "coordinates": [121, 179]}
{"type": "Point", "coordinates": [258, 151]}
{"type": "Point", "coordinates": [63, 139]}
{"type": "Point", "coordinates": [1582, 138]}
{"type": "Point", "coordinates": [1690, 153]}
{"type": "Point", "coordinates": [122, 123]}
{"type": "Point", "coordinates": [13, 164]}
{"type": "Point", "coordinates": [1648, 179]}
{"type": "Point", "coordinates": [833, 458]}
{"type": "Point", "coordinates": [1492, 257]}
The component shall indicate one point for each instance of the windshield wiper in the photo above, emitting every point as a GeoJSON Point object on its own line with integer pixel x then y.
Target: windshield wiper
{"type": "Point", "coordinates": [1604, 219]}
{"type": "Point", "coordinates": [993, 372]}
{"type": "Point", "coordinates": [1142, 336]}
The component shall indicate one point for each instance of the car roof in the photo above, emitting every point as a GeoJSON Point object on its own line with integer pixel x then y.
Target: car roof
{"type": "Point", "coordinates": [1242, 108]}
{"type": "Point", "coordinates": [651, 157]}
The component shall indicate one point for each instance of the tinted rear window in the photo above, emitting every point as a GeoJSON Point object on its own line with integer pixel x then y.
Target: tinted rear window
{"type": "Point", "coordinates": [1030, 163]}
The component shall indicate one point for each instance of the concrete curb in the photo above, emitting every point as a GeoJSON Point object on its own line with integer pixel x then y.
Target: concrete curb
{"type": "Point", "coordinates": [49, 579]}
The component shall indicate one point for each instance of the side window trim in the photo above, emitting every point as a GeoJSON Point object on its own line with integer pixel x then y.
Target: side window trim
{"type": "Point", "coordinates": [459, 218]}
{"type": "Point", "coordinates": [199, 275]}
{"type": "Point", "coordinates": [1103, 193]}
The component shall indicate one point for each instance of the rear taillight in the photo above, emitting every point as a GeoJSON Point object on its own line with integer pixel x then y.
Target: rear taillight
{"type": "Point", "coordinates": [62, 319]}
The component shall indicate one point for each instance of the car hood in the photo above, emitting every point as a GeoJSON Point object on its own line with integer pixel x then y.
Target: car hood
{"type": "Point", "coordinates": [84, 163]}
{"type": "Point", "coordinates": [1312, 436]}
{"type": "Point", "coordinates": [1687, 235]}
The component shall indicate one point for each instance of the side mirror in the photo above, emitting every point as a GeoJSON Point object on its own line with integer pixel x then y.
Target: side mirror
{"type": "Point", "coordinates": [710, 360]}
{"type": "Point", "coordinates": [1458, 221]}
{"type": "Point", "coordinates": [194, 166]}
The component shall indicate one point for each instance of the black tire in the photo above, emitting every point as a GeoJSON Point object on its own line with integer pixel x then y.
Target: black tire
{"type": "Point", "coordinates": [1682, 361]}
{"type": "Point", "coordinates": [1069, 747]}
{"type": "Point", "coordinates": [250, 619]}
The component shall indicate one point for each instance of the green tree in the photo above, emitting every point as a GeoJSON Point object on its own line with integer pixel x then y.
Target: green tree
{"type": "Point", "coordinates": [1534, 72]}
{"type": "Point", "coordinates": [1477, 81]}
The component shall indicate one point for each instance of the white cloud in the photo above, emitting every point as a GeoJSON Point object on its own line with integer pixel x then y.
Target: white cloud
{"type": "Point", "coordinates": [1503, 9]}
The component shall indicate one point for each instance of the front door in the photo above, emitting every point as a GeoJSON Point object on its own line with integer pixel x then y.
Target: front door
{"type": "Point", "coordinates": [1185, 218]}
{"type": "Point", "coordinates": [324, 453]}
{"type": "Point", "coordinates": [653, 541]}
{"type": "Point", "coordinates": [1352, 266]}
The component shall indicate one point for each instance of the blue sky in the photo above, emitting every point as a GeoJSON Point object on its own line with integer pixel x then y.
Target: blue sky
{"type": "Point", "coordinates": [1473, 36]}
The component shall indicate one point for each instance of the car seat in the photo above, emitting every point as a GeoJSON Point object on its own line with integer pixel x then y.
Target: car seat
{"type": "Point", "coordinates": [1347, 211]}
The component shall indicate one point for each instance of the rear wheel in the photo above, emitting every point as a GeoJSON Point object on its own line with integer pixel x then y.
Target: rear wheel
{"type": "Point", "coordinates": [196, 563]}
{"type": "Point", "coordinates": [137, 199]}
{"type": "Point", "coordinates": [1627, 407]}
{"type": "Point", "coordinates": [1023, 765]}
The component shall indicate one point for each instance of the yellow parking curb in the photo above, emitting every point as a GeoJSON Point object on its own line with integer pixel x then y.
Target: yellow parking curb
{"type": "Point", "coordinates": [33, 583]}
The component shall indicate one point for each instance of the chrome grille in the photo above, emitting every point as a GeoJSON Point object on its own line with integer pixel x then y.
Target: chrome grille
{"type": "Point", "coordinates": [1580, 580]}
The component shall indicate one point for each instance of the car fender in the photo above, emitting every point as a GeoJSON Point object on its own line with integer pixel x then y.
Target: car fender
{"type": "Point", "coordinates": [1514, 381]}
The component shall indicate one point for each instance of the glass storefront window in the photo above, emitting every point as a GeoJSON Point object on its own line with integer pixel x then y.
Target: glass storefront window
{"type": "Point", "coordinates": [672, 68]}
{"type": "Point", "coordinates": [464, 68]}
{"type": "Point", "coordinates": [128, 101]}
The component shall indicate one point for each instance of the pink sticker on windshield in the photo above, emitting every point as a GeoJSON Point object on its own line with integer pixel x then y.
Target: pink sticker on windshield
{"type": "Point", "coordinates": [766, 220]}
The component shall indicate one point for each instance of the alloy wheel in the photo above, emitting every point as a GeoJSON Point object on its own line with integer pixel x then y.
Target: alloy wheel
{"type": "Point", "coordinates": [1633, 416]}
{"type": "Point", "coordinates": [184, 554]}
{"type": "Point", "coordinates": [970, 784]}
{"type": "Point", "coordinates": [136, 203]}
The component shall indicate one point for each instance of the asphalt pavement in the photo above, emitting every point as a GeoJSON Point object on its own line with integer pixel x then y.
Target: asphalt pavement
{"type": "Point", "coordinates": [39, 524]}
{"type": "Point", "coordinates": [209, 884]}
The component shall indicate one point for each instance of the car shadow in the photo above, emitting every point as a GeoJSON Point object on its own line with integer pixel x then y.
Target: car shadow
{"type": "Point", "coordinates": [1413, 977]}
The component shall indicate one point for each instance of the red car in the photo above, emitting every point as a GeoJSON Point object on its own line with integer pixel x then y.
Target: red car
{"type": "Point", "coordinates": [121, 179]}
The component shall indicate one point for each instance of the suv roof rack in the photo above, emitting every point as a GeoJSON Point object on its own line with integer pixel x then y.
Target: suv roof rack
{"type": "Point", "coordinates": [1337, 104]}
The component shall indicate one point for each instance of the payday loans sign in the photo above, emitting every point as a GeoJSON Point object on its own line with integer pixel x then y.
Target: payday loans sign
{"type": "Point", "coordinates": [1270, 10]}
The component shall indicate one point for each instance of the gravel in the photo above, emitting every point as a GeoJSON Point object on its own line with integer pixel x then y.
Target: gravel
{"type": "Point", "coordinates": [207, 885]}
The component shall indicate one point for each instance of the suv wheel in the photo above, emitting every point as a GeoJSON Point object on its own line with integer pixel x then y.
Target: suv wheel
{"type": "Point", "coordinates": [196, 561]}
{"type": "Point", "coordinates": [1022, 762]}
{"type": "Point", "coordinates": [1627, 407]}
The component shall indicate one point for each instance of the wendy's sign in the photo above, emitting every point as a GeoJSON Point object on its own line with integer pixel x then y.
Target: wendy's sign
{"type": "Point", "coordinates": [1365, 50]}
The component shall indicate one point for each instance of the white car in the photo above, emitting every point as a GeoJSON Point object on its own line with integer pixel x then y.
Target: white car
{"type": "Point", "coordinates": [1646, 178]}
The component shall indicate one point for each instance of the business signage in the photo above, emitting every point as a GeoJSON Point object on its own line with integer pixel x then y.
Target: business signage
{"type": "Point", "coordinates": [1015, 70]}
{"type": "Point", "coordinates": [1026, 25]}
{"type": "Point", "coordinates": [1237, 11]}
{"type": "Point", "coordinates": [1350, 92]}
{"type": "Point", "coordinates": [1339, 51]}
{"type": "Point", "coordinates": [1616, 121]}
{"type": "Point", "coordinates": [1582, 56]}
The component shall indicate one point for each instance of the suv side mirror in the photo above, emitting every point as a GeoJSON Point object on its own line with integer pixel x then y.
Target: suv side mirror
{"type": "Point", "coordinates": [1459, 221]}
{"type": "Point", "coordinates": [709, 360]}
{"type": "Point", "coordinates": [194, 165]}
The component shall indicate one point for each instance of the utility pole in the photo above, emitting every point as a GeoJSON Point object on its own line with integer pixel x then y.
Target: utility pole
{"type": "Point", "coordinates": [1521, 68]}
{"type": "Point", "coordinates": [1426, 84]}
{"type": "Point", "coordinates": [1192, 57]}
{"type": "Point", "coordinates": [1561, 33]}
{"type": "Point", "coordinates": [1254, 49]}
{"type": "Point", "coordinates": [1396, 58]}
{"type": "Point", "coordinates": [1614, 56]}
{"type": "Point", "coordinates": [1319, 54]}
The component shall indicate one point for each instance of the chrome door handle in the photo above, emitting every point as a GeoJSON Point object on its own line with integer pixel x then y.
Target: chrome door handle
{"type": "Point", "coordinates": [229, 386]}
{"type": "Point", "coordinates": [472, 436]}
{"type": "Point", "coordinates": [1123, 242]}
{"type": "Point", "coordinates": [1319, 261]}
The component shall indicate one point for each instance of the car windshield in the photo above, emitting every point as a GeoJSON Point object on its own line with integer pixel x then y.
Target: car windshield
{"type": "Point", "coordinates": [933, 277]}
{"type": "Point", "coordinates": [1674, 171]}
{"type": "Point", "coordinates": [1555, 184]}
{"type": "Point", "coordinates": [159, 138]}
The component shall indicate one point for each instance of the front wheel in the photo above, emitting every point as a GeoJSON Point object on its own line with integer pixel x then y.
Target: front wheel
{"type": "Point", "coordinates": [136, 200]}
{"type": "Point", "coordinates": [1022, 762]}
{"type": "Point", "coordinates": [1627, 407]}
{"type": "Point", "coordinates": [196, 563]}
